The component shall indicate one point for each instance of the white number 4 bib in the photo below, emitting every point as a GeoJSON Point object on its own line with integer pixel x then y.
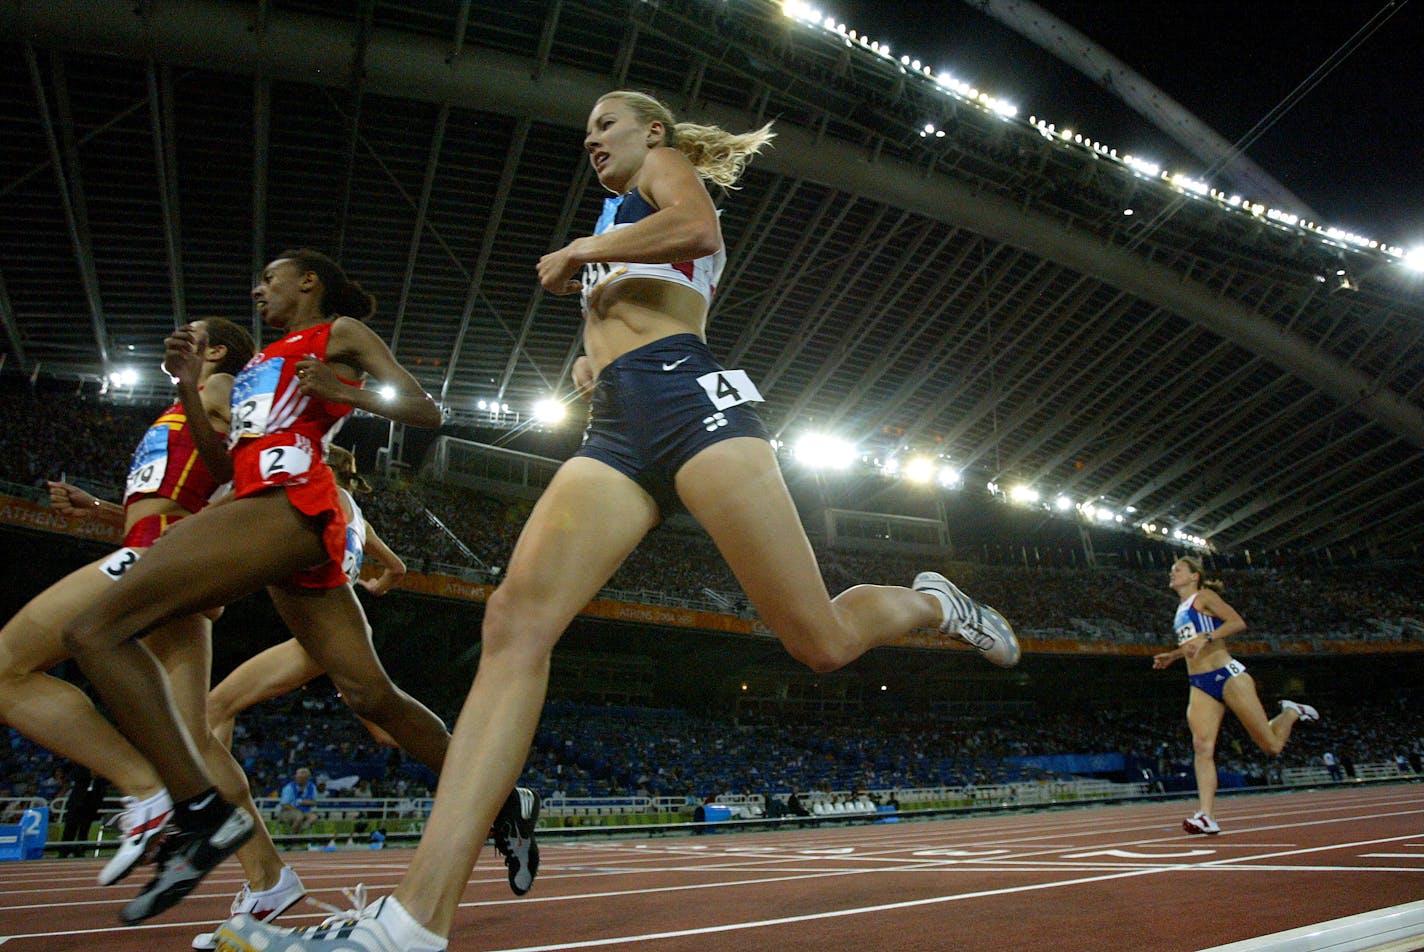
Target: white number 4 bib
{"type": "Point", "coordinates": [727, 388]}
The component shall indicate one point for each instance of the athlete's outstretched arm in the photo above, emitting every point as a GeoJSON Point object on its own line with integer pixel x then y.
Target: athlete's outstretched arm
{"type": "Point", "coordinates": [356, 344]}
{"type": "Point", "coordinates": [71, 501]}
{"type": "Point", "coordinates": [683, 228]}
{"type": "Point", "coordinates": [185, 352]}
{"type": "Point", "coordinates": [392, 567]}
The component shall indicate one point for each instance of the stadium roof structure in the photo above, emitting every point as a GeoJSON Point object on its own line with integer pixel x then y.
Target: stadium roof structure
{"type": "Point", "coordinates": [909, 265]}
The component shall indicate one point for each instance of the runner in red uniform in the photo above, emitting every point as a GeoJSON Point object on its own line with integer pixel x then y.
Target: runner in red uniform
{"type": "Point", "coordinates": [281, 527]}
{"type": "Point", "coordinates": [176, 468]}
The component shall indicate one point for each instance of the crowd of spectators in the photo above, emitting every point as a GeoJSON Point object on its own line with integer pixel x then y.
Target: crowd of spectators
{"type": "Point", "coordinates": [445, 528]}
{"type": "Point", "coordinates": [583, 750]}
{"type": "Point", "coordinates": [599, 752]}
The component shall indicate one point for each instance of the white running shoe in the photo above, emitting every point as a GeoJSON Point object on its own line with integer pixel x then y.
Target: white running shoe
{"type": "Point", "coordinates": [264, 905]}
{"type": "Point", "coordinates": [971, 622]}
{"type": "Point", "coordinates": [1199, 822]}
{"type": "Point", "coordinates": [359, 930]}
{"type": "Point", "coordinates": [1306, 712]}
{"type": "Point", "coordinates": [141, 821]}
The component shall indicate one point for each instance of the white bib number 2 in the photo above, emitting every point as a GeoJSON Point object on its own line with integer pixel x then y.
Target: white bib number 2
{"type": "Point", "coordinates": [727, 388]}
{"type": "Point", "coordinates": [284, 461]}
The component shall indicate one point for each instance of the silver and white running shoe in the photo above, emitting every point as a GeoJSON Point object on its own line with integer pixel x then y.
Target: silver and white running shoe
{"type": "Point", "coordinates": [264, 906]}
{"type": "Point", "coordinates": [972, 622]}
{"type": "Point", "coordinates": [359, 930]}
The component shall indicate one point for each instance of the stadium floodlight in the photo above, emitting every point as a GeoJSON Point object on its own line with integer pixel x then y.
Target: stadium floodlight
{"type": "Point", "coordinates": [123, 377]}
{"type": "Point", "coordinates": [1105, 514]}
{"type": "Point", "coordinates": [387, 392]}
{"type": "Point", "coordinates": [549, 411]}
{"type": "Point", "coordinates": [821, 451]}
{"type": "Point", "coordinates": [949, 477]}
{"type": "Point", "coordinates": [920, 469]}
{"type": "Point", "coordinates": [1414, 259]}
{"type": "Point", "coordinates": [1063, 503]}
{"type": "Point", "coordinates": [483, 405]}
{"type": "Point", "coordinates": [1024, 495]}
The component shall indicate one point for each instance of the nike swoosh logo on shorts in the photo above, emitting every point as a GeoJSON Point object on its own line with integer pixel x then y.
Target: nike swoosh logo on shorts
{"type": "Point", "coordinates": [675, 364]}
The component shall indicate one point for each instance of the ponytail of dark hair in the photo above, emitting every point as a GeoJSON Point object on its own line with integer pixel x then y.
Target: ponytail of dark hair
{"type": "Point", "coordinates": [341, 295]}
{"type": "Point", "coordinates": [237, 341]}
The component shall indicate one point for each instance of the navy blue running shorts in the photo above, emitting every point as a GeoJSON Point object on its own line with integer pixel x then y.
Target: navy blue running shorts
{"type": "Point", "coordinates": [656, 407]}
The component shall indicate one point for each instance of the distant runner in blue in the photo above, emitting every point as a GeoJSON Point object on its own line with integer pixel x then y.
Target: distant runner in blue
{"type": "Point", "coordinates": [1218, 681]}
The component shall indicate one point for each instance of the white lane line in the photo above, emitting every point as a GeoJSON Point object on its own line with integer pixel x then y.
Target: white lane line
{"type": "Point", "coordinates": [839, 913]}
{"type": "Point", "coordinates": [910, 904]}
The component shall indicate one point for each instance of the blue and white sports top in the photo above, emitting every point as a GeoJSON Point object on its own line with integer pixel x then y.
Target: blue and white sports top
{"type": "Point", "coordinates": [355, 554]}
{"type": "Point", "coordinates": [701, 274]}
{"type": "Point", "coordinates": [1189, 622]}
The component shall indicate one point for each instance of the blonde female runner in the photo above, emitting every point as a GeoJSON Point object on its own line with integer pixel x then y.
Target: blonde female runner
{"type": "Point", "coordinates": [670, 427]}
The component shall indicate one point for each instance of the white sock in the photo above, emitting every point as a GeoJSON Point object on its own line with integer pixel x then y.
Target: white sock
{"type": "Point", "coordinates": [283, 881]}
{"type": "Point", "coordinates": [158, 803]}
{"type": "Point", "coordinates": [404, 931]}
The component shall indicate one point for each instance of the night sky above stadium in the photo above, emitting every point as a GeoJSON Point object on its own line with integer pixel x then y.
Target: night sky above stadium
{"type": "Point", "coordinates": [1351, 147]}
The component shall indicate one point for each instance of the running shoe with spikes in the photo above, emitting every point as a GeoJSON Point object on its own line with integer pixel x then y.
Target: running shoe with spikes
{"type": "Point", "coordinates": [513, 833]}
{"type": "Point", "coordinates": [1306, 712]}
{"type": "Point", "coordinates": [1199, 822]}
{"type": "Point", "coordinates": [185, 857]}
{"type": "Point", "coordinates": [363, 929]}
{"type": "Point", "coordinates": [142, 823]}
{"type": "Point", "coordinates": [263, 905]}
{"type": "Point", "coordinates": [972, 622]}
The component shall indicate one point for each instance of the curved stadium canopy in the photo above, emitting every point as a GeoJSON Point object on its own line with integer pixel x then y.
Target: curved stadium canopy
{"type": "Point", "coordinates": [978, 294]}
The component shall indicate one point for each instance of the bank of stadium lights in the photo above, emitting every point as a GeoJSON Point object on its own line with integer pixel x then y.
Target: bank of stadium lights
{"type": "Point", "coordinates": [123, 377]}
{"type": "Point", "coordinates": [809, 15]}
{"type": "Point", "coordinates": [813, 17]}
{"type": "Point", "coordinates": [1024, 495]}
{"type": "Point", "coordinates": [549, 411]}
{"type": "Point", "coordinates": [1194, 186]}
{"type": "Point", "coordinates": [923, 471]}
{"type": "Point", "coordinates": [821, 451]}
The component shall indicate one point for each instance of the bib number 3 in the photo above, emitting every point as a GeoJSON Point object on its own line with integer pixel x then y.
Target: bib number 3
{"type": "Point", "coordinates": [727, 388]}
{"type": "Point", "coordinates": [116, 565]}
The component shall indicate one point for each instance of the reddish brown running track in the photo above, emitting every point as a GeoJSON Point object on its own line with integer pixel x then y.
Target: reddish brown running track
{"type": "Point", "coordinates": [1122, 877]}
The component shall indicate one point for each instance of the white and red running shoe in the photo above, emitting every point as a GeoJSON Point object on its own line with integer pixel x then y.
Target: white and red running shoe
{"type": "Point", "coordinates": [1199, 822]}
{"type": "Point", "coordinates": [264, 905]}
{"type": "Point", "coordinates": [140, 824]}
{"type": "Point", "coordinates": [1306, 712]}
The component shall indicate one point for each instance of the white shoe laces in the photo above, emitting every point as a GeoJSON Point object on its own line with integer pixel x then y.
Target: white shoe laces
{"type": "Point", "coordinates": [240, 902]}
{"type": "Point", "coordinates": [339, 916]}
